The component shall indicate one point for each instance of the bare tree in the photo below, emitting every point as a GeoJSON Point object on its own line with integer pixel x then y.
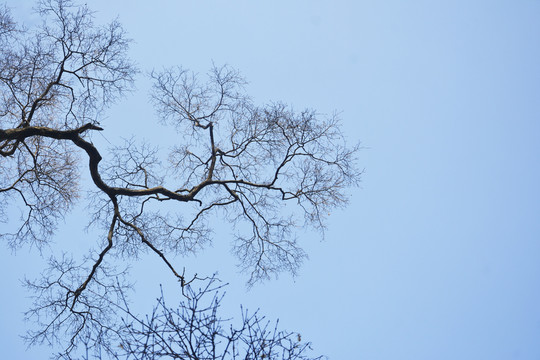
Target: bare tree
{"type": "Point", "coordinates": [265, 168]}
{"type": "Point", "coordinates": [195, 330]}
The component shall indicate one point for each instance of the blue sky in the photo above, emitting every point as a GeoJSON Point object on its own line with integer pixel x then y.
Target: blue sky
{"type": "Point", "coordinates": [437, 256]}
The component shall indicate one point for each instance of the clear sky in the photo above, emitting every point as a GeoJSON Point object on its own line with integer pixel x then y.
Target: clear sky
{"type": "Point", "coordinates": [437, 256]}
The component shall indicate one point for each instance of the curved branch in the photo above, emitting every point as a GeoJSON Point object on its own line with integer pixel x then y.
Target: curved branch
{"type": "Point", "coordinates": [95, 157]}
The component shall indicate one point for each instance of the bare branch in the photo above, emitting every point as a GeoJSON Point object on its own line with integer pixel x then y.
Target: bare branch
{"type": "Point", "coordinates": [266, 169]}
{"type": "Point", "coordinates": [195, 330]}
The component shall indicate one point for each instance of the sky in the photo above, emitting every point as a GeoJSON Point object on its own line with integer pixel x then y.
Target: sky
{"type": "Point", "coordinates": [437, 254]}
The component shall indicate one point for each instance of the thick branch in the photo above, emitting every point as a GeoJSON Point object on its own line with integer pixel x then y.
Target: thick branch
{"type": "Point", "coordinates": [95, 157]}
